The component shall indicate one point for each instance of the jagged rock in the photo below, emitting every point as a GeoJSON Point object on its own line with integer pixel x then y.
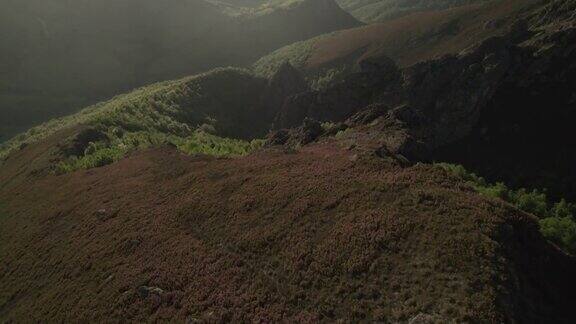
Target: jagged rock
{"type": "Point", "coordinates": [305, 134]}
{"type": "Point", "coordinates": [555, 11]}
{"type": "Point", "coordinates": [368, 114]}
{"type": "Point", "coordinates": [379, 80]}
{"type": "Point", "coordinates": [77, 146]}
{"type": "Point", "coordinates": [105, 214]}
{"type": "Point", "coordinates": [384, 153]}
{"type": "Point", "coordinates": [145, 291]}
{"type": "Point", "coordinates": [310, 131]}
{"type": "Point", "coordinates": [335, 128]}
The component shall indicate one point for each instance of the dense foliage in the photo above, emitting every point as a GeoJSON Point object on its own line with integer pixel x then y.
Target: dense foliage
{"type": "Point", "coordinates": [557, 220]}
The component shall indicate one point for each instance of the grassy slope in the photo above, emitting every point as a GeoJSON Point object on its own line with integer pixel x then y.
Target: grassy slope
{"type": "Point", "coordinates": [164, 112]}
{"type": "Point", "coordinates": [382, 10]}
{"type": "Point", "coordinates": [407, 40]}
{"type": "Point", "coordinates": [557, 220]}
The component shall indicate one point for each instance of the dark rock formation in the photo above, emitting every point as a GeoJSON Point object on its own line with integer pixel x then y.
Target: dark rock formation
{"type": "Point", "coordinates": [78, 145]}
{"type": "Point", "coordinates": [377, 80]}
{"type": "Point", "coordinates": [523, 134]}
{"type": "Point", "coordinates": [368, 115]}
{"type": "Point", "coordinates": [308, 132]}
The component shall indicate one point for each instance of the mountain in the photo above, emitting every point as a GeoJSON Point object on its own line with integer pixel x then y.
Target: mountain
{"type": "Point", "coordinates": [165, 203]}
{"type": "Point", "coordinates": [382, 10]}
{"type": "Point", "coordinates": [58, 56]}
{"type": "Point", "coordinates": [369, 11]}
{"type": "Point", "coordinates": [407, 40]}
{"type": "Point", "coordinates": [501, 107]}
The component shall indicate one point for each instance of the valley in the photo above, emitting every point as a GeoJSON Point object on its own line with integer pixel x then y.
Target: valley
{"type": "Point", "coordinates": [409, 166]}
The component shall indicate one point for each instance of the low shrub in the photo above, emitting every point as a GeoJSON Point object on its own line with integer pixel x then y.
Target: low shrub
{"type": "Point", "coordinates": [561, 230]}
{"type": "Point", "coordinates": [557, 222]}
{"type": "Point", "coordinates": [103, 153]}
{"type": "Point", "coordinates": [95, 159]}
{"type": "Point", "coordinates": [203, 143]}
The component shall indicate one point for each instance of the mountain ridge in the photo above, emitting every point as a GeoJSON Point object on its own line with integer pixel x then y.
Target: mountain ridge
{"type": "Point", "coordinates": [68, 58]}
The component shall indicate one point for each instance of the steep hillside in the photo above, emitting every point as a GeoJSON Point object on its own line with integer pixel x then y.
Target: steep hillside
{"type": "Point", "coordinates": [504, 107]}
{"type": "Point", "coordinates": [407, 40]}
{"type": "Point", "coordinates": [229, 103]}
{"type": "Point", "coordinates": [324, 234]}
{"type": "Point", "coordinates": [57, 56]}
{"type": "Point", "coordinates": [369, 11]}
{"type": "Point", "coordinates": [382, 10]}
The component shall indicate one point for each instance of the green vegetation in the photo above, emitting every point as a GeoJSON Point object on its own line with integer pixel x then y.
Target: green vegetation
{"type": "Point", "coordinates": [50, 68]}
{"type": "Point", "coordinates": [224, 102]}
{"type": "Point", "coordinates": [561, 230]}
{"type": "Point", "coordinates": [557, 221]}
{"type": "Point", "coordinates": [204, 143]}
{"type": "Point", "coordinates": [102, 153]}
{"type": "Point", "coordinates": [296, 54]}
{"type": "Point", "coordinates": [330, 76]}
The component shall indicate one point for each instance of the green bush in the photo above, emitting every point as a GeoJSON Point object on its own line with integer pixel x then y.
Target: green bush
{"type": "Point", "coordinates": [563, 209]}
{"type": "Point", "coordinates": [103, 153]}
{"type": "Point", "coordinates": [95, 159]}
{"type": "Point", "coordinates": [173, 108]}
{"type": "Point", "coordinates": [561, 230]}
{"type": "Point", "coordinates": [498, 190]}
{"type": "Point", "coordinates": [204, 143]}
{"type": "Point", "coordinates": [557, 221]}
{"type": "Point", "coordinates": [533, 202]}
{"type": "Point", "coordinates": [461, 172]}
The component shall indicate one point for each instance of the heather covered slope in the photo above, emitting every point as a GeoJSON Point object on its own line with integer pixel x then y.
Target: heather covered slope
{"type": "Point", "coordinates": [407, 40]}
{"type": "Point", "coordinates": [382, 10]}
{"type": "Point", "coordinates": [504, 107]}
{"type": "Point", "coordinates": [326, 233]}
{"type": "Point", "coordinates": [59, 56]}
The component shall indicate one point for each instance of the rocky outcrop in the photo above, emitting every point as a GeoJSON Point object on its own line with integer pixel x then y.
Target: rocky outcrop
{"type": "Point", "coordinates": [308, 132]}
{"type": "Point", "coordinates": [504, 108]}
{"type": "Point", "coordinates": [377, 80]}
